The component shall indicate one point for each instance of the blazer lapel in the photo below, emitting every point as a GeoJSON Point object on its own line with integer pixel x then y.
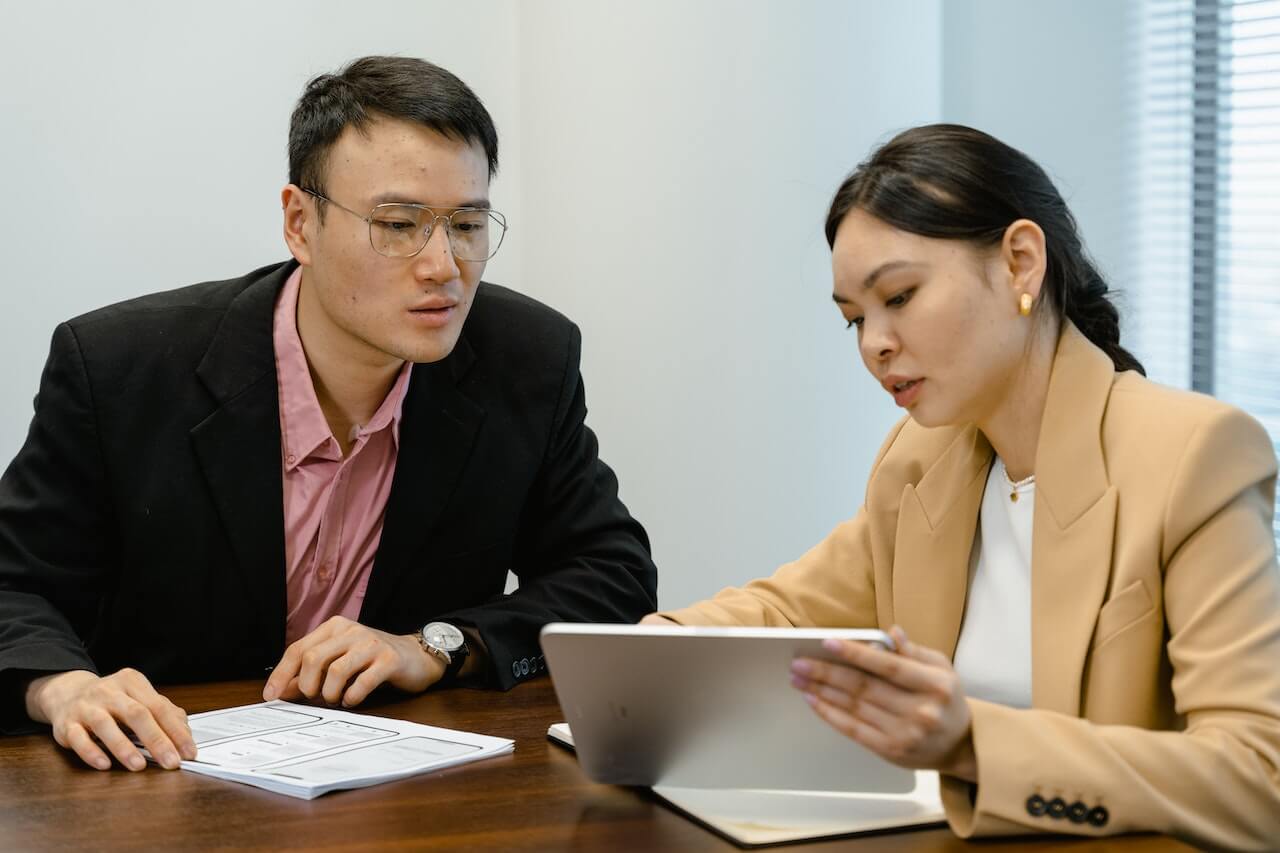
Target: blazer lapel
{"type": "Point", "coordinates": [1074, 523]}
{"type": "Point", "coordinates": [238, 446]}
{"type": "Point", "coordinates": [438, 430]}
{"type": "Point", "coordinates": [937, 519]}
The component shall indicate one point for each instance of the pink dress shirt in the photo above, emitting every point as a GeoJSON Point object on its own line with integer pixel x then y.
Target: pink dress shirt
{"type": "Point", "coordinates": [333, 506]}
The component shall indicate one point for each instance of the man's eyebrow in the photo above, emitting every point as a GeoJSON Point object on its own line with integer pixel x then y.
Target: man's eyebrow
{"type": "Point", "coordinates": [399, 198]}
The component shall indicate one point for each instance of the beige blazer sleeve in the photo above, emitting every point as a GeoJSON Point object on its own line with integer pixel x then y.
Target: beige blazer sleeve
{"type": "Point", "coordinates": [1217, 781]}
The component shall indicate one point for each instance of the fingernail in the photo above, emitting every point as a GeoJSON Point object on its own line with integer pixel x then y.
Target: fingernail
{"type": "Point", "coordinates": [137, 762]}
{"type": "Point", "coordinates": [799, 682]}
{"type": "Point", "coordinates": [189, 751]}
{"type": "Point", "coordinates": [102, 764]}
{"type": "Point", "coordinates": [801, 667]}
{"type": "Point", "coordinates": [169, 760]}
{"type": "Point", "coordinates": [811, 699]}
{"type": "Point", "coordinates": [831, 644]}
{"type": "Point", "coordinates": [269, 693]}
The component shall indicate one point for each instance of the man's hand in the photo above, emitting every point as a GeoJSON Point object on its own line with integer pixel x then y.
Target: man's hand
{"type": "Point", "coordinates": [656, 619]}
{"type": "Point", "coordinates": [344, 661]}
{"type": "Point", "coordinates": [88, 711]}
{"type": "Point", "coordinates": [906, 706]}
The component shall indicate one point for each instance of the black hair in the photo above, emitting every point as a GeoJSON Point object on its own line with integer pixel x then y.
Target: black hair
{"type": "Point", "coordinates": [396, 87]}
{"type": "Point", "coordinates": [953, 182]}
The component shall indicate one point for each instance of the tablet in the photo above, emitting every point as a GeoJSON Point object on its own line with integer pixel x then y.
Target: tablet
{"type": "Point", "coordinates": [701, 707]}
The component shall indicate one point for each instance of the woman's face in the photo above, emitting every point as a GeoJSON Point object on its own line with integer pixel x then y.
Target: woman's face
{"type": "Point", "coordinates": [937, 320]}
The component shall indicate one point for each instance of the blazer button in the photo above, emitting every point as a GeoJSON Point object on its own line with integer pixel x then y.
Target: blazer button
{"type": "Point", "coordinates": [1098, 816]}
{"type": "Point", "coordinates": [1077, 812]}
{"type": "Point", "coordinates": [515, 668]}
{"type": "Point", "coordinates": [1057, 808]}
{"type": "Point", "coordinates": [524, 667]}
{"type": "Point", "coordinates": [1035, 805]}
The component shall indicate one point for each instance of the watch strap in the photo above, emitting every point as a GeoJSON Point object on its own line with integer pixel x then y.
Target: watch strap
{"type": "Point", "coordinates": [457, 658]}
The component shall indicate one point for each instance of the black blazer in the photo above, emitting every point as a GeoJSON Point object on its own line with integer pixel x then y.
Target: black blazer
{"type": "Point", "coordinates": [142, 522]}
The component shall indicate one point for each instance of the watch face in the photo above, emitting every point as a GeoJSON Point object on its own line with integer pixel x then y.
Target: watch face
{"type": "Point", "coordinates": [442, 635]}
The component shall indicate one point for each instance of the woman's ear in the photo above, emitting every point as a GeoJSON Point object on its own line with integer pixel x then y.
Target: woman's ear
{"type": "Point", "coordinates": [298, 224]}
{"type": "Point", "coordinates": [1022, 253]}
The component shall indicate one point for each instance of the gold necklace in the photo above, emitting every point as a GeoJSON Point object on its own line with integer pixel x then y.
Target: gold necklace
{"type": "Point", "coordinates": [1015, 487]}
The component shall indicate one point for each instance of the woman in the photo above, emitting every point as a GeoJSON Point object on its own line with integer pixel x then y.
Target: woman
{"type": "Point", "coordinates": [1083, 560]}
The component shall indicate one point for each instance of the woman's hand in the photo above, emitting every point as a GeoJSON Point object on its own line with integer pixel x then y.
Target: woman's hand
{"type": "Point", "coordinates": [905, 706]}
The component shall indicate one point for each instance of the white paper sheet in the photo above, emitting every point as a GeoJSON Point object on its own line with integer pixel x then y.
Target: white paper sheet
{"type": "Point", "coordinates": [305, 752]}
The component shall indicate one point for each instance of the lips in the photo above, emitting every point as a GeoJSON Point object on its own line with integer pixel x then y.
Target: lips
{"type": "Point", "coordinates": [905, 389]}
{"type": "Point", "coordinates": [433, 314]}
{"type": "Point", "coordinates": [434, 305]}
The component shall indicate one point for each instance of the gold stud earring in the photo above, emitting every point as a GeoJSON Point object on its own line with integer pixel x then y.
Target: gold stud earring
{"type": "Point", "coordinates": [1024, 304]}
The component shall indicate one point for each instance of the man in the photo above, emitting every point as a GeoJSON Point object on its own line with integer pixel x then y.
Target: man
{"type": "Point", "coordinates": [316, 470]}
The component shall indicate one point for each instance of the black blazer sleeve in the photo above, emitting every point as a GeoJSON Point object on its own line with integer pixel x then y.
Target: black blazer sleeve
{"type": "Point", "coordinates": [579, 555]}
{"type": "Point", "coordinates": [53, 532]}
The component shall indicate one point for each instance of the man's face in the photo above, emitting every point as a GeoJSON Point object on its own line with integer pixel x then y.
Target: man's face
{"type": "Point", "coordinates": [360, 306]}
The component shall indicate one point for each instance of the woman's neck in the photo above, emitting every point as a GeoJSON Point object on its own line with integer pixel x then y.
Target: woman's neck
{"type": "Point", "coordinates": [1013, 427]}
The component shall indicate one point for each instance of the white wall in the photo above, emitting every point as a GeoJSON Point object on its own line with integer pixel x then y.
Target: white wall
{"type": "Point", "coordinates": [692, 146]}
{"type": "Point", "coordinates": [1053, 78]}
{"type": "Point", "coordinates": [695, 147]}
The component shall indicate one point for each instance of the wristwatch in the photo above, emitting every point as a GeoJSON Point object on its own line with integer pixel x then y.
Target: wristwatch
{"type": "Point", "coordinates": [446, 642]}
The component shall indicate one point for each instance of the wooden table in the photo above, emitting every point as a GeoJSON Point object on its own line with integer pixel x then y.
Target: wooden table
{"type": "Point", "coordinates": [534, 799]}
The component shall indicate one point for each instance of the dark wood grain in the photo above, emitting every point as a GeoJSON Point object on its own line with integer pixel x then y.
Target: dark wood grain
{"type": "Point", "coordinates": [535, 799]}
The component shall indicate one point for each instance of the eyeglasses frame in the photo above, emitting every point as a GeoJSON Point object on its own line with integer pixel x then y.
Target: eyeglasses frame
{"type": "Point", "coordinates": [435, 217]}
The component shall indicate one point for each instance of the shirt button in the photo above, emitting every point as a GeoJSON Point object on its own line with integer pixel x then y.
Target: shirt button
{"type": "Point", "coordinates": [291, 459]}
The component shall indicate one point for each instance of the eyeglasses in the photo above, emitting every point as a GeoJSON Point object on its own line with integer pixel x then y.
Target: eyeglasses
{"type": "Point", "coordinates": [403, 230]}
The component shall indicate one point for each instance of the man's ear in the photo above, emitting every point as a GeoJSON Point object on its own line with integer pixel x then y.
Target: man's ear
{"type": "Point", "coordinates": [299, 222]}
{"type": "Point", "coordinates": [1022, 253]}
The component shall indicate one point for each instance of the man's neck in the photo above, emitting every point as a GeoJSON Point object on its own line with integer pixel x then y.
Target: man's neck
{"type": "Point", "coordinates": [349, 401]}
{"type": "Point", "coordinates": [350, 381]}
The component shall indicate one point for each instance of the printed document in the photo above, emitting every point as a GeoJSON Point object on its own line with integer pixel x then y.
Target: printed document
{"type": "Point", "coordinates": [305, 752]}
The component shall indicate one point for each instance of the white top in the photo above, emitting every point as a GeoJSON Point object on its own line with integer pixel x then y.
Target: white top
{"type": "Point", "coordinates": [993, 654]}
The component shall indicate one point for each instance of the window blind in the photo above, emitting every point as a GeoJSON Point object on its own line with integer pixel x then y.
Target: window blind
{"type": "Point", "coordinates": [1204, 295]}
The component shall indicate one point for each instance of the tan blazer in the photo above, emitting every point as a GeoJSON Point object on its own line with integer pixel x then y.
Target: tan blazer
{"type": "Point", "coordinates": [1155, 602]}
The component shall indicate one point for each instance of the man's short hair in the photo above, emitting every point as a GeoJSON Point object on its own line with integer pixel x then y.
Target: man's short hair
{"type": "Point", "coordinates": [373, 87]}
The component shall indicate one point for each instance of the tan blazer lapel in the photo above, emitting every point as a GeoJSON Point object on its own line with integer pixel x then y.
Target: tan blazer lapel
{"type": "Point", "coordinates": [937, 520]}
{"type": "Point", "coordinates": [1074, 522]}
